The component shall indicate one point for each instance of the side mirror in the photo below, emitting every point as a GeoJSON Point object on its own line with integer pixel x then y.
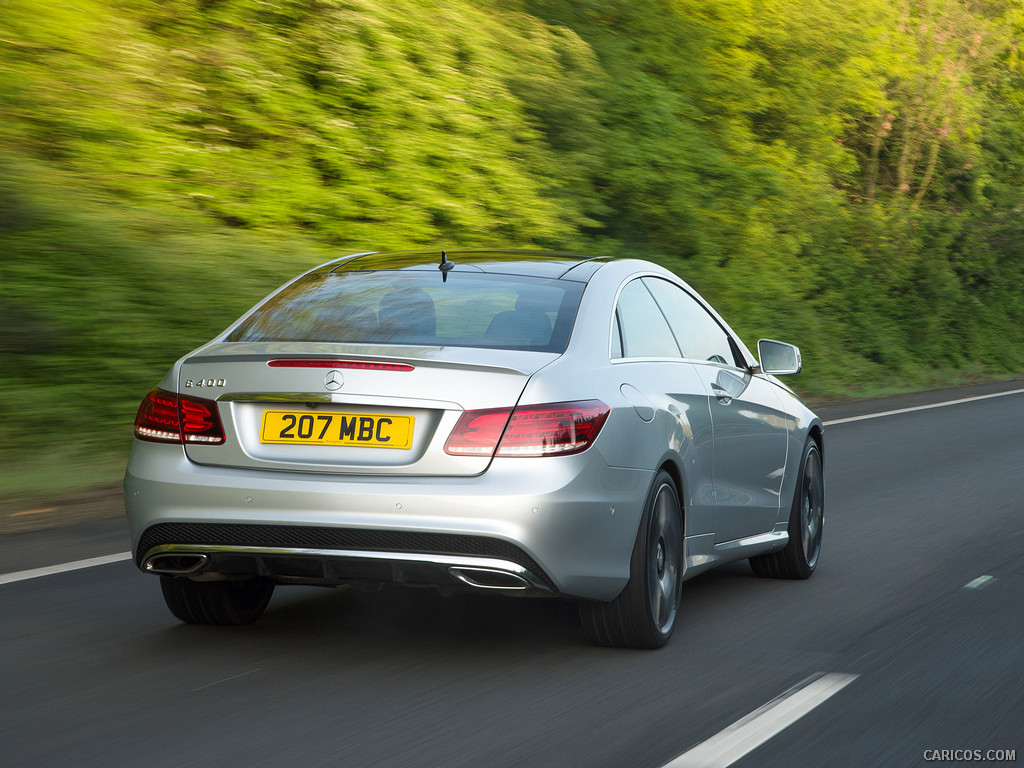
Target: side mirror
{"type": "Point", "coordinates": [778, 358]}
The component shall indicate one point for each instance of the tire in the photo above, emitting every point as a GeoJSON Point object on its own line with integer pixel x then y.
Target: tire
{"type": "Point", "coordinates": [216, 602]}
{"type": "Point", "coordinates": [644, 613]}
{"type": "Point", "coordinates": [799, 558]}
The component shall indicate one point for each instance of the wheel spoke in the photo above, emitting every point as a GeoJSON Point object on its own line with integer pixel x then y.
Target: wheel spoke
{"type": "Point", "coordinates": [661, 510]}
{"type": "Point", "coordinates": [660, 604]}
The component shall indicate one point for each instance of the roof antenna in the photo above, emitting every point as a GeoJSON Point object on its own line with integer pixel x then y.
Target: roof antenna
{"type": "Point", "coordinates": [445, 266]}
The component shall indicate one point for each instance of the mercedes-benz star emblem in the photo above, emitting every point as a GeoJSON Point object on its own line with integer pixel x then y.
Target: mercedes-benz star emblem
{"type": "Point", "coordinates": [334, 380]}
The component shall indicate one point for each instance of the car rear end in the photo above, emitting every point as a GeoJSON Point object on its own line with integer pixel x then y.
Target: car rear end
{"type": "Point", "coordinates": [369, 426]}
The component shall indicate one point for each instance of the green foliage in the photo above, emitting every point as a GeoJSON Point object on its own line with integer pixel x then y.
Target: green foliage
{"type": "Point", "coordinates": [359, 123]}
{"type": "Point", "coordinates": [847, 176]}
{"type": "Point", "coordinates": [95, 305]}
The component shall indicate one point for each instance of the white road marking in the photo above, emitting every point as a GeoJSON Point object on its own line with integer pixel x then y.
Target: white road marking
{"type": "Point", "coordinates": [35, 573]}
{"type": "Point", "coordinates": [748, 733]}
{"type": "Point", "coordinates": [867, 416]}
{"type": "Point", "coordinates": [980, 582]}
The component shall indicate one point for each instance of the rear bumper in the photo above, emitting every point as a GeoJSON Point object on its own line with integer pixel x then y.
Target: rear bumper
{"type": "Point", "coordinates": [553, 525]}
{"type": "Point", "coordinates": [321, 566]}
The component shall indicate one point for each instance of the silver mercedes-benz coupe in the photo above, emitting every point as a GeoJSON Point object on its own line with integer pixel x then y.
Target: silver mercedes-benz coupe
{"type": "Point", "coordinates": [517, 422]}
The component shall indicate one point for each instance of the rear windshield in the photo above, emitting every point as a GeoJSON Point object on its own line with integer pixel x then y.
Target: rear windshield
{"type": "Point", "coordinates": [469, 310]}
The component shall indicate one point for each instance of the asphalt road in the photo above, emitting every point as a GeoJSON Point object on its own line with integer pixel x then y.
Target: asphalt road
{"type": "Point", "coordinates": [918, 595]}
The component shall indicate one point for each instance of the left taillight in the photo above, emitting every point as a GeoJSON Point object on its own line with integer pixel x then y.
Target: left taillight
{"type": "Point", "coordinates": [164, 417]}
{"type": "Point", "coordinates": [551, 429]}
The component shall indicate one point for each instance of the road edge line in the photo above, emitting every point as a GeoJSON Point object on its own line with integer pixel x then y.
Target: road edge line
{"type": "Point", "coordinates": [50, 570]}
{"type": "Point", "coordinates": [973, 399]}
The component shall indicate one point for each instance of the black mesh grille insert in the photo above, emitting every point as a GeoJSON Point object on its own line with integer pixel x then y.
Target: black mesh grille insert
{"type": "Point", "coordinates": [309, 537]}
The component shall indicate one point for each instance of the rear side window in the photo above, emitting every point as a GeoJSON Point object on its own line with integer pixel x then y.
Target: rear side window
{"type": "Point", "coordinates": [416, 307]}
{"type": "Point", "coordinates": [644, 330]}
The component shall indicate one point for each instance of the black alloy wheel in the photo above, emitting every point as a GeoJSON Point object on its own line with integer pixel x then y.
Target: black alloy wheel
{"type": "Point", "coordinates": [799, 558]}
{"type": "Point", "coordinates": [644, 614]}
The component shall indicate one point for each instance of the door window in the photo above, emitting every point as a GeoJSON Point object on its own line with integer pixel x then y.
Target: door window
{"type": "Point", "coordinates": [699, 335]}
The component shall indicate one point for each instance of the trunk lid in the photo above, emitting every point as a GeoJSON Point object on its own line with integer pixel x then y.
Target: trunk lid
{"type": "Point", "coordinates": [349, 408]}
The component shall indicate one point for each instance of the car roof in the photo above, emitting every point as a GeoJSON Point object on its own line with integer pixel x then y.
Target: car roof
{"type": "Point", "coordinates": [505, 261]}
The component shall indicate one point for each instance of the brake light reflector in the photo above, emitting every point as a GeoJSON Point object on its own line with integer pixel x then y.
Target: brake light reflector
{"type": "Point", "coordinates": [551, 429]}
{"type": "Point", "coordinates": [359, 365]}
{"type": "Point", "coordinates": [164, 417]}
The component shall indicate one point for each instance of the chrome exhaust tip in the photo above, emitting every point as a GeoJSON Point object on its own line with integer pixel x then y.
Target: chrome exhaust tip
{"type": "Point", "coordinates": [169, 564]}
{"type": "Point", "coordinates": [489, 578]}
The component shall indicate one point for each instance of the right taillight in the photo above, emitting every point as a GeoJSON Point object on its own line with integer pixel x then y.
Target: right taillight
{"type": "Point", "coordinates": [164, 417]}
{"type": "Point", "coordinates": [551, 429]}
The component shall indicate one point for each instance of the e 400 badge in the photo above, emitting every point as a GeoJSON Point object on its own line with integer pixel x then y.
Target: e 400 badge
{"type": "Point", "coordinates": [205, 382]}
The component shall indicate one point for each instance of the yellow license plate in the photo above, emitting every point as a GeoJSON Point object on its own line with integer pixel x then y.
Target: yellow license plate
{"type": "Point", "coordinates": [364, 430]}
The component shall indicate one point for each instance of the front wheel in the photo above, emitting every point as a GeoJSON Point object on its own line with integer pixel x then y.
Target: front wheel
{"type": "Point", "coordinates": [216, 602]}
{"type": "Point", "coordinates": [644, 613]}
{"type": "Point", "coordinates": [806, 520]}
